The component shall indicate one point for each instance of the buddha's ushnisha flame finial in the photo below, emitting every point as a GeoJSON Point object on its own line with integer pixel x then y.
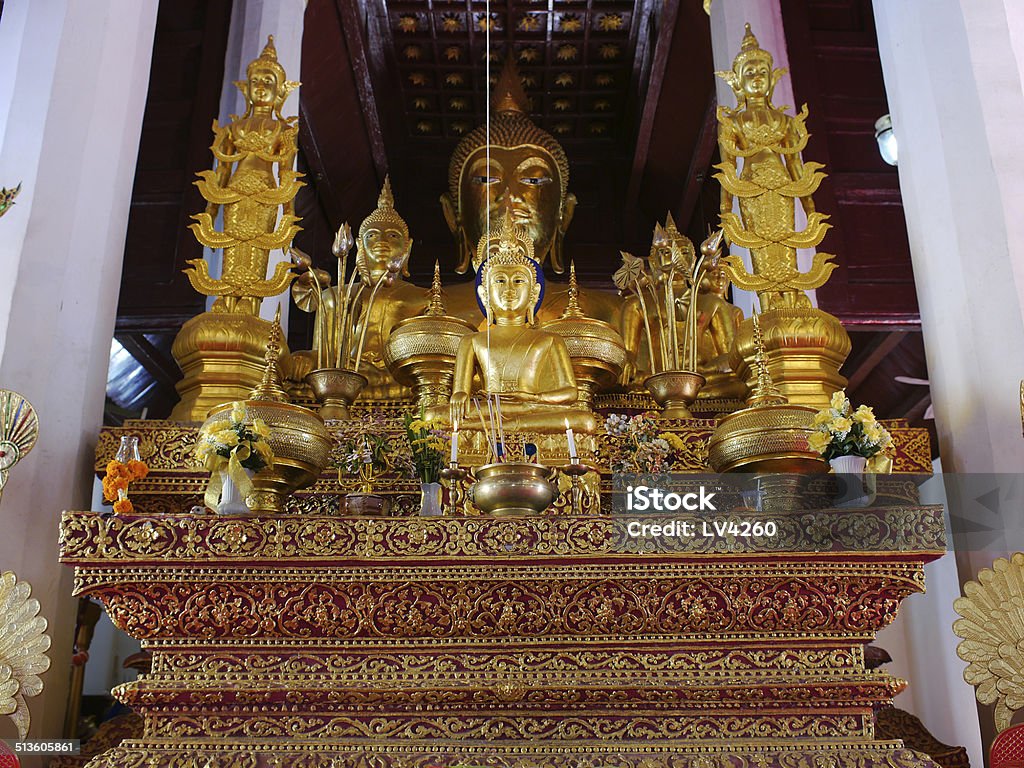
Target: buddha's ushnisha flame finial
{"type": "Point", "coordinates": [436, 307]}
{"type": "Point", "coordinates": [270, 387]}
{"type": "Point", "coordinates": [509, 95]}
{"type": "Point", "coordinates": [572, 307]}
{"type": "Point", "coordinates": [765, 392]}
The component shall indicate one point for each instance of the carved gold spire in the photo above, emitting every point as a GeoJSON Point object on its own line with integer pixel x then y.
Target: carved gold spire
{"type": "Point", "coordinates": [572, 308]}
{"type": "Point", "coordinates": [514, 245]}
{"type": "Point", "coordinates": [436, 306]}
{"type": "Point", "coordinates": [765, 392]}
{"type": "Point", "coordinates": [270, 387]}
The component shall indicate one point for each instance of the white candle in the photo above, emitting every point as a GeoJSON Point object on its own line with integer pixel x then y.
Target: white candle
{"type": "Point", "coordinates": [455, 444]}
{"type": "Point", "coordinates": [572, 441]}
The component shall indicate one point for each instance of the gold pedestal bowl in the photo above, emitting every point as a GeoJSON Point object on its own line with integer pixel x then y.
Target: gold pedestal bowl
{"type": "Point", "coordinates": [769, 442]}
{"type": "Point", "coordinates": [335, 389]}
{"type": "Point", "coordinates": [420, 353]}
{"type": "Point", "coordinates": [674, 392]}
{"type": "Point", "coordinates": [301, 446]}
{"type": "Point", "coordinates": [512, 488]}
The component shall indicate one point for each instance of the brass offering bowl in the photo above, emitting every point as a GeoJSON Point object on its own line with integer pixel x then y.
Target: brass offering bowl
{"type": "Point", "coordinates": [301, 446]}
{"type": "Point", "coordinates": [335, 389]}
{"type": "Point", "coordinates": [674, 391]}
{"type": "Point", "coordinates": [511, 488]}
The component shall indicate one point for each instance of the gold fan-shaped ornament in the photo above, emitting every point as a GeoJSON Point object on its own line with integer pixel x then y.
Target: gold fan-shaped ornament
{"type": "Point", "coordinates": [19, 429]}
{"type": "Point", "coordinates": [992, 629]}
{"type": "Point", "coordinates": [23, 647]}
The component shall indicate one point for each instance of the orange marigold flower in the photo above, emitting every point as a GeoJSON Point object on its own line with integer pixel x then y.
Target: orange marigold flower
{"type": "Point", "coordinates": [117, 469]}
{"type": "Point", "coordinates": [111, 485]}
{"type": "Point", "coordinates": [123, 507]}
{"type": "Point", "coordinates": [137, 469]}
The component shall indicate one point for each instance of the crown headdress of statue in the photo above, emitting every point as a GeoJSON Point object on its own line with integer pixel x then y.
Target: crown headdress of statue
{"type": "Point", "coordinates": [510, 126]}
{"type": "Point", "coordinates": [506, 244]}
{"type": "Point", "coordinates": [385, 212]}
{"type": "Point", "coordinates": [268, 60]}
{"type": "Point", "coordinates": [750, 50]}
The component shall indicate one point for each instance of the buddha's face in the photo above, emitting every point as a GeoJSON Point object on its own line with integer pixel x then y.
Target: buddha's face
{"type": "Point", "coordinates": [263, 87]}
{"type": "Point", "coordinates": [511, 290]}
{"type": "Point", "coordinates": [525, 178]}
{"type": "Point", "coordinates": [756, 77]}
{"type": "Point", "coordinates": [716, 280]}
{"type": "Point", "coordinates": [661, 256]}
{"type": "Point", "coordinates": [385, 246]}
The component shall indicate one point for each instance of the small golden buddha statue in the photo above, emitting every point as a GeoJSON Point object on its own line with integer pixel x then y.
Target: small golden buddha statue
{"type": "Point", "coordinates": [253, 182]}
{"type": "Point", "coordinates": [528, 368]}
{"type": "Point", "coordinates": [525, 169]}
{"type": "Point", "coordinates": [717, 321]}
{"type": "Point", "coordinates": [666, 239]}
{"type": "Point", "coordinates": [771, 177]}
{"type": "Point", "coordinates": [383, 246]}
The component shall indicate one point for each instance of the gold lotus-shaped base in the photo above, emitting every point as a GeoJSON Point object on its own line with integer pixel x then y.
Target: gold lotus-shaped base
{"type": "Point", "coordinates": [335, 389]}
{"type": "Point", "coordinates": [420, 353]}
{"type": "Point", "coordinates": [511, 488]}
{"type": "Point", "coordinates": [301, 446]}
{"type": "Point", "coordinates": [804, 349]}
{"type": "Point", "coordinates": [674, 392]}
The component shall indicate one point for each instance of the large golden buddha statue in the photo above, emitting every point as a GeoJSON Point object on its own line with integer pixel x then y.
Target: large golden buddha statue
{"type": "Point", "coordinates": [528, 368]}
{"type": "Point", "coordinates": [525, 169]}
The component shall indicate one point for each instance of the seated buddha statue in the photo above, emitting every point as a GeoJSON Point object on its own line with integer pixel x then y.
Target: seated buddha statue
{"type": "Point", "coordinates": [512, 163]}
{"type": "Point", "coordinates": [717, 321]}
{"type": "Point", "coordinates": [383, 243]}
{"type": "Point", "coordinates": [528, 368]}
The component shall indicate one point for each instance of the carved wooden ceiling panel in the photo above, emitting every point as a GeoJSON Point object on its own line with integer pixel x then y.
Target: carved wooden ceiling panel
{"type": "Point", "coordinates": [576, 59]}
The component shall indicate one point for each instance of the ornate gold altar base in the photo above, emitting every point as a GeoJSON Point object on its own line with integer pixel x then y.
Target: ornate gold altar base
{"type": "Point", "coordinates": [539, 641]}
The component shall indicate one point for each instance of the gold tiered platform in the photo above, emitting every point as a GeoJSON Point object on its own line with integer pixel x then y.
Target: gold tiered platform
{"type": "Point", "coordinates": [319, 640]}
{"type": "Point", "coordinates": [550, 641]}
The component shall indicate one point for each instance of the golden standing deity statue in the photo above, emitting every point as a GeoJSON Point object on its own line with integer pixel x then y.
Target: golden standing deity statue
{"type": "Point", "coordinates": [255, 185]}
{"type": "Point", "coordinates": [382, 251]}
{"type": "Point", "coordinates": [528, 368]}
{"type": "Point", "coordinates": [761, 166]}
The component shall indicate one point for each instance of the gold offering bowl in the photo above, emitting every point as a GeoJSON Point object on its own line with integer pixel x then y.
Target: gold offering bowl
{"type": "Point", "coordinates": [301, 446]}
{"type": "Point", "coordinates": [510, 488]}
{"type": "Point", "coordinates": [335, 389]}
{"type": "Point", "coordinates": [420, 353]}
{"type": "Point", "coordinates": [674, 391]}
{"type": "Point", "coordinates": [770, 442]}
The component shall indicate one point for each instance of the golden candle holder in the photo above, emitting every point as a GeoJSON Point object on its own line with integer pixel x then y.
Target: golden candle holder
{"type": "Point", "coordinates": [335, 389]}
{"type": "Point", "coordinates": [506, 489]}
{"type": "Point", "coordinates": [674, 392]}
{"type": "Point", "coordinates": [454, 474]}
{"type": "Point", "coordinates": [577, 470]}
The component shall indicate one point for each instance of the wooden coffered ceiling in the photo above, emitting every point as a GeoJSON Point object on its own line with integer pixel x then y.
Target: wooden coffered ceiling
{"type": "Point", "coordinates": [627, 86]}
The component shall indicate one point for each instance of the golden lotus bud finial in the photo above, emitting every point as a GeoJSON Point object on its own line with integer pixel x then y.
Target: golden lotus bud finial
{"type": "Point", "coordinates": [514, 244]}
{"type": "Point", "coordinates": [765, 392]}
{"type": "Point", "coordinates": [385, 212]}
{"type": "Point", "coordinates": [572, 307]}
{"type": "Point", "coordinates": [269, 388]}
{"type": "Point", "coordinates": [436, 306]}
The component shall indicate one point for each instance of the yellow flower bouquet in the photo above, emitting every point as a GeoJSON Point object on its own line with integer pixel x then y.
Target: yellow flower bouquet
{"type": "Point", "coordinates": [231, 446]}
{"type": "Point", "coordinates": [839, 430]}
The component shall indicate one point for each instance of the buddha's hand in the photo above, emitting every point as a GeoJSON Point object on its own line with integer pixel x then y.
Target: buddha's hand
{"type": "Point", "coordinates": [521, 397]}
{"type": "Point", "coordinates": [458, 407]}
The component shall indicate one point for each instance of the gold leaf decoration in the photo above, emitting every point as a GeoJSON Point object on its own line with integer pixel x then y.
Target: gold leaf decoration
{"type": "Point", "coordinates": [992, 629]}
{"type": "Point", "coordinates": [450, 22]}
{"type": "Point", "coordinates": [567, 53]}
{"type": "Point", "coordinates": [408, 23]}
{"type": "Point", "coordinates": [571, 23]}
{"type": "Point", "coordinates": [564, 79]}
{"type": "Point", "coordinates": [631, 272]}
{"type": "Point", "coordinates": [23, 647]}
{"type": "Point", "coordinates": [529, 55]}
{"type": "Point", "coordinates": [453, 53]}
{"type": "Point", "coordinates": [610, 22]}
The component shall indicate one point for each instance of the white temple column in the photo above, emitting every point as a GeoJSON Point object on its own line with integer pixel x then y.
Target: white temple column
{"type": "Point", "coordinates": [71, 103]}
{"type": "Point", "coordinates": [251, 22]}
{"type": "Point", "coordinates": [728, 23]}
{"type": "Point", "coordinates": [954, 82]}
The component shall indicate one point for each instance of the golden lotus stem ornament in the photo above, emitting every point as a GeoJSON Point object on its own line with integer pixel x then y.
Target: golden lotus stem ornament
{"type": "Point", "coordinates": [674, 392]}
{"type": "Point", "coordinates": [335, 389]}
{"type": "Point", "coordinates": [513, 488]}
